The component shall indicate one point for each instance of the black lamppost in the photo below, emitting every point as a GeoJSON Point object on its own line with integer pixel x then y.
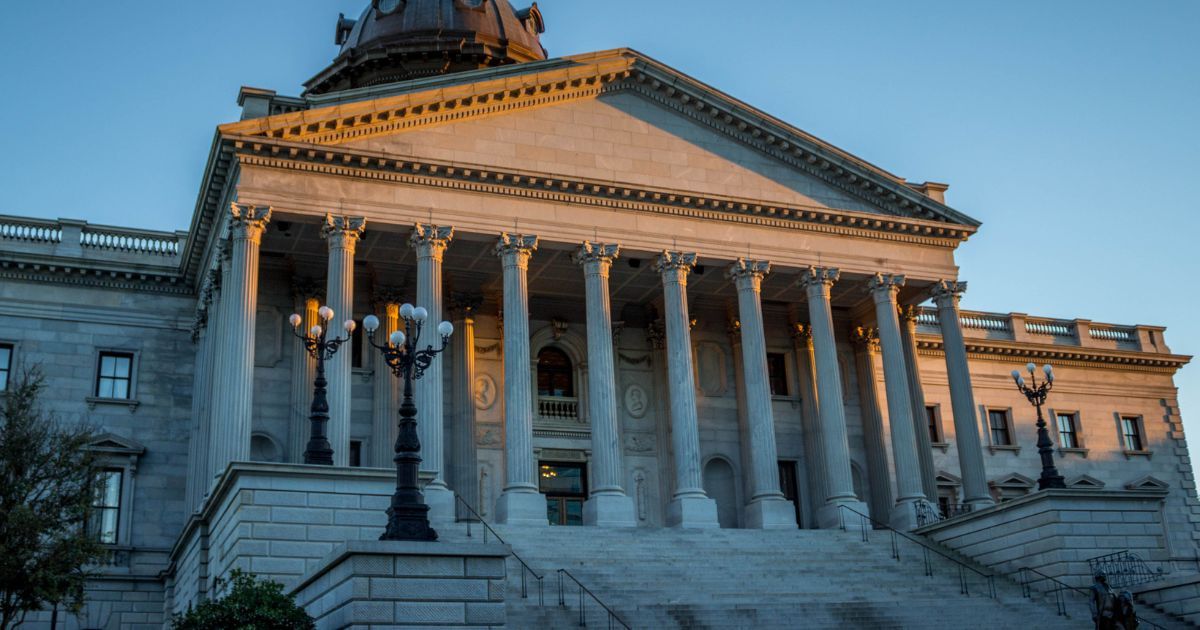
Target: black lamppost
{"type": "Point", "coordinates": [1036, 393]}
{"type": "Point", "coordinates": [320, 348]}
{"type": "Point", "coordinates": [408, 516]}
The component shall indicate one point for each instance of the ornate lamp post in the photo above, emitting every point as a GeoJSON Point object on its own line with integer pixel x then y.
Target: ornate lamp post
{"type": "Point", "coordinates": [322, 349]}
{"type": "Point", "coordinates": [1036, 393]}
{"type": "Point", "coordinates": [408, 516]}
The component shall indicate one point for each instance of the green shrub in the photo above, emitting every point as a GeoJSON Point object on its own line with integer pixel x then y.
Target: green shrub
{"type": "Point", "coordinates": [250, 604]}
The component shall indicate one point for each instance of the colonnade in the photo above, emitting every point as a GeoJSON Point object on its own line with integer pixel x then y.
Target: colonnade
{"type": "Point", "coordinates": [228, 424]}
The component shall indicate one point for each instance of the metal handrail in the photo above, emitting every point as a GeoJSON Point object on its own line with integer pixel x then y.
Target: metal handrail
{"type": "Point", "coordinates": [926, 547]}
{"type": "Point", "coordinates": [525, 568]}
{"type": "Point", "coordinates": [562, 602]}
{"type": "Point", "coordinates": [1124, 569]}
{"type": "Point", "coordinates": [1060, 586]}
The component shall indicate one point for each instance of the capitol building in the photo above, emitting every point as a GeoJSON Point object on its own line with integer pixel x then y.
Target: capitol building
{"type": "Point", "coordinates": [706, 370]}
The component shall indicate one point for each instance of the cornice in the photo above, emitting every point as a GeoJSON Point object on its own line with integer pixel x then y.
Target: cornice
{"type": "Point", "coordinates": [590, 76]}
{"type": "Point", "coordinates": [1061, 355]}
{"type": "Point", "coordinates": [82, 275]}
{"type": "Point", "coordinates": [371, 165]}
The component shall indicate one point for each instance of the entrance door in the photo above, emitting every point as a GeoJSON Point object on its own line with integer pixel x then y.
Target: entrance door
{"type": "Point", "coordinates": [565, 487]}
{"type": "Point", "coordinates": [791, 489]}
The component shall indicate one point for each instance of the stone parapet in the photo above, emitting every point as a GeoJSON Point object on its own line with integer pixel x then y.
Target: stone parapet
{"type": "Point", "coordinates": [406, 584]}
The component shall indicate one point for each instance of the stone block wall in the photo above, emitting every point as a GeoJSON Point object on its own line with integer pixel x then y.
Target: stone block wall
{"type": "Point", "coordinates": [1057, 531]}
{"type": "Point", "coordinates": [407, 584]}
{"type": "Point", "coordinates": [1179, 597]}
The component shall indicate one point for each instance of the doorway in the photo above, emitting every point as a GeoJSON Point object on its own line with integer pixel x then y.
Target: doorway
{"type": "Point", "coordinates": [789, 486]}
{"type": "Point", "coordinates": [565, 487]}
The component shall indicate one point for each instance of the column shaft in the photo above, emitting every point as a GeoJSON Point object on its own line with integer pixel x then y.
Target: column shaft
{"type": "Point", "coordinates": [690, 506]}
{"type": "Point", "coordinates": [908, 336]}
{"type": "Point", "coordinates": [767, 508]}
{"type": "Point", "coordinates": [962, 395]}
{"type": "Point", "coordinates": [204, 340]}
{"type": "Point", "coordinates": [607, 505]}
{"type": "Point", "coordinates": [817, 283]}
{"type": "Point", "coordinates": [814, 451]}
{"type": "Point", "coordinates": [219, 380]}
{"type": "Point", "coordinates": [304, 371]}
{"type": "Point", "coordinates": [342, 235]}
{"type": "Point", "coordinates": [430, 242]}
{"type": "Point", "coordinates": [875, 438]}
{"type": "Point", "coordinates": [385, 396]}
{"type": "Point", "coordinates": [464, 463]}
{"type": "Point", "coordinates": [520, 502]}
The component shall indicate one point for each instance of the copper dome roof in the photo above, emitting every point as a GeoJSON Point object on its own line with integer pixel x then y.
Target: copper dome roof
{"type": "Point", "coordinates": [396, 40]}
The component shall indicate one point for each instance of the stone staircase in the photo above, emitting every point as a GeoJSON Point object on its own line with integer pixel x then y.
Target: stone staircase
{"type": "Point", "coordinates": [729, 578]}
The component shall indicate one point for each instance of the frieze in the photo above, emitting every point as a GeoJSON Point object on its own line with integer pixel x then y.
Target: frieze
{"type": "Point", "coordinates": [632, 360]}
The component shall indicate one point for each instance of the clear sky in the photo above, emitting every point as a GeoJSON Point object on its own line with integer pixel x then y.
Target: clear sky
{"type": "Point", "coordinates": [1070, 128]}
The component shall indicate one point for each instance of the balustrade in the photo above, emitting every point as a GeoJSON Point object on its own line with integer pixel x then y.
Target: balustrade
{"type": "Point", "coordinates": [558, 408]}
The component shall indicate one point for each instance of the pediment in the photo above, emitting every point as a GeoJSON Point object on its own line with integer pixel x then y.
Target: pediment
{"type": "Point", "coordinates": [1013, 480]}
{"type": "Point", "coordinates": [615, 117]}
{"type": "Point", "coordinates": [1085, 482]}
{"type": "Point", "coordinates": [944, 478]}
{"type": "Point", "coordinates": [115, 444]}
{"type": "Point", "coordinates": [1148, 483]}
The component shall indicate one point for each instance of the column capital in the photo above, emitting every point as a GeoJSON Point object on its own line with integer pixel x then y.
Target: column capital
{"type": "Point", "coordinates": [818, 277]}
{"type": "Point", "coordinates": [306, 287]}
{"type": "Point", "coordinates": [464, 304]}
{"type": "Point", "coordinates": [948, 292]}
{"type": "Point", "coordinates": [908, 314]}
{"type": "Point", "coordinates": [801, 332]}
{"type": "Point", "coordinates": [865, 339]}
{"type": "Point", "coordinates": [595, 252]}
{"type": "Point", "coordinates": [748, 273]}
{"type": "Point", "coordinates": [656, 334]}
{"type": "Point", "coordinates": [734, 328]}
{"type": "Point", "coordinates": [431, 240]}
{"type": "Point", "coordinates": [885, 286]}
{"type": "Point", "coordinates": [248, 222]}
{"type": "Point", "coordinates": [383, 296]}
{"type": "Point", "coordinates": [677, 264]}
{"type": "Point", "coordinates": [212, 284]}
{"type": "Point", "coordinates": [516, 248]}
{"type": "Point", "coordinates": [343, 232]}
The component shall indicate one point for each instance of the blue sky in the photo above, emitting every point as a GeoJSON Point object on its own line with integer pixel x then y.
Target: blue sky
{"type": "Point", "coordinates": [1069, 128]}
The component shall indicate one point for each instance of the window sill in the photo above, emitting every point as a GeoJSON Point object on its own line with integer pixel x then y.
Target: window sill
{"type": "Point", "coordinates": [1082, 452]}
{"type": "Point", "coordinates": [132, 403]}
{"type": "Point", "coordinates": [1015, 450]}
{"type": "Point", "coordinates": [944, 446]}
{"type": "Point", "coordinates": [1132, 454]}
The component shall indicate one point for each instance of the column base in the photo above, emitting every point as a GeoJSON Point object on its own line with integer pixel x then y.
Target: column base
{"type": "Point", "coordinates": [698, 512]}
{"type": "Point", "coordinates": [829, 516]}
{"type": "Point", "coordinates": [980, 503]}
{"type": "Point", "coordinates": [771, 513]}
{"type": "Point", "coordinates": [522, 507]}
{"type": "Point", "coordinates": [609, 510]}
{"type": "Point", "coordinates": [440, 500]}
{"type": "Point", "coordinates": [903, 517]}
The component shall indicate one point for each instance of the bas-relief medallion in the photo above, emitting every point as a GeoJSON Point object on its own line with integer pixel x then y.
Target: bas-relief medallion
{"type": "Point", "coordinates": [487, 435]}
{"type": "Point", "coordinates": [639, 443]}
{"type": "Point", "coordinates": [485, 392]}
{"type": "Point", "coordinates": [636, 401]}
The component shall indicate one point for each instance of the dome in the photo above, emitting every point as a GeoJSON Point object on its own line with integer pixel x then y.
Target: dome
{"type": "Point", "coordinates": [397, 40]}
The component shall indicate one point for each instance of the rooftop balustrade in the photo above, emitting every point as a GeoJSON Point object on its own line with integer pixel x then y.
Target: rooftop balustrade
{"type": "Point", "coordinates": [64, 240]}
{"type": "Point", "coordinates": [1020, 327]}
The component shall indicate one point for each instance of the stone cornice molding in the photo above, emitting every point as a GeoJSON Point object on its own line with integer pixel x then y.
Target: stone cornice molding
{"type": "Point", "coordinates": [1013, 352]}
{"type": "Point", "coordinates": [587, 76]}
{"type": "Point", "coordinates": [375, 166]}
{"type": "Point", "coordinates": [85, 275]}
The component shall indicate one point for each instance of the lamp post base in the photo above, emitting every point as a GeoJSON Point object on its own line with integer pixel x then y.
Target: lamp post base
{"type": "Point", "coordinates": [409, 522]}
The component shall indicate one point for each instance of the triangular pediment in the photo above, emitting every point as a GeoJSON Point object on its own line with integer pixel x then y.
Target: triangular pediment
{"type": "Point", "coordinates": [1013, 480]}
{"type": "Point", "coordinates": [1148, 483]}
{"type": "Point", "coordinates": [615, 116]}
{"type": "Point", "coordinates": [1085, 482]}
{"type": "Point", "coordinates": [113, 443]}
{"type": "Point", "coordinates": [946, 479]}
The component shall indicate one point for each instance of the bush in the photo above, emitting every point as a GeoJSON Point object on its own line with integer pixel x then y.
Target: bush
{"type": "Point", "coordinates": [250, 604]}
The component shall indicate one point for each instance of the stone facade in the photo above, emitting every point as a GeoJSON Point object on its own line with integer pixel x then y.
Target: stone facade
{"type": "Point", "coordinates": [667, 290]}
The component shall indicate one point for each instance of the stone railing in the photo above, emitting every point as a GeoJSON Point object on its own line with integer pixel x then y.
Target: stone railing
{"type": "Point", "coordinates": [1044, 330]}
{"type": "Point", "coordinates": [558, 408]}
{"type": "Point", "coordinates": [77, 240]}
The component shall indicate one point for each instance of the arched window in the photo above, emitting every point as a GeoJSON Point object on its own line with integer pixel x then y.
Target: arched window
{"type": "Point", "coordinates": [555, 376]}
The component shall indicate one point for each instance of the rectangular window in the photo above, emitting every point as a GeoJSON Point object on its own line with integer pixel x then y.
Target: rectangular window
{"type": "Point", "coordinates": [355, 453]}
{"type": "Point", "coordinates": [356, 345]}
{"type": "Point", "coordinates": [106, 507]}
{"type": "Point", "coordinates": [935, 428]}
{"type": "Point", "coordinates": [1067, 436]}
{"type": "Point", "coordinates": [998, 423]}
{"type": "Point", "coordinates": [777, 373]}
{"type": "Point", "coordinates": [6, 352]}
{"type": "Point", "coordinates": [115, 376]}
{"type": "Point", "coordinates": [1131, 433]}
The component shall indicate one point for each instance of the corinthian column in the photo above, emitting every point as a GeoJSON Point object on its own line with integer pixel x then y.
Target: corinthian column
{"type": "Point", "coordinates": [464, 464]}
{"type": "Point", "coordinates": [962, 397]}
{"type": "Point", "coordinates": [607, 505]}
{"type": "Point", "coordinates": [767, 508]}
{"type": "Point", "coordinates": [430, 242]}
{"type": "Point", "coordinates": [386, 392]}
{"type": "Point", "coordinates": [690, 507]}
{"type": "Point", "coordinates": [342, 235]}
{"type": "Point", "coordinates": [817, 283]}
{"type": "Point", "coordinates": [875, 440]}
{"type": "Point", "coordinates": [245, 228]}
{"type": "Point", "coordinates": [520, 503]}
{"type": "Point", "coordinates": [814, 451]}
{"type": "Point", "coordinates": [304, 370]}
{"type": "Point", "coordinates": [908, 335]}
{"type": "Point", "coordinates": [909, 492]}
